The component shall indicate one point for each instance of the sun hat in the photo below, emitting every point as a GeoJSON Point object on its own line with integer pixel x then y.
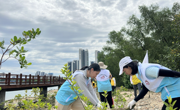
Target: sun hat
{"type": "Point", "coordinates": [123, 62]}
{"type": "Point", "coordinates": [102, 65]}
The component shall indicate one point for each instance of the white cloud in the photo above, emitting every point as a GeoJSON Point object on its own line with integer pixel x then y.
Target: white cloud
{"type": "Point", "coordinates": [66, 26]}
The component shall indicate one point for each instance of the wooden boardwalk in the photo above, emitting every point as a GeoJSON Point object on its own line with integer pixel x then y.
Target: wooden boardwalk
{"type": "Point", "coordinates": [10, 81]}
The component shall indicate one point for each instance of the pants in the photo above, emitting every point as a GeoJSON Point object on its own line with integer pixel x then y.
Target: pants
{"type": "Point", "coordinates": [135, 88]}
{"type": "Point", "coordinates": [108, 98]}
{"type": "Point", "coordinates": [76, 105]}
{"type": "Point", "coordinates": [113, 87]}
{"type": "Point", "coordinates": [177, 104]}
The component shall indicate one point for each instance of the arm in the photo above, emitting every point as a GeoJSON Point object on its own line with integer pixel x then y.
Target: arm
{"type": "Point", "coordinates": [131, 79]}
{"type": "Point", "coordinates": [81, 82]}
{"type": "Point", "coordinates": [93, 93]}
{"type": "Point", "coordinates": [168, 73]}
{"type": "Point", "coordinates": [142, 93]}
{"type": "Point", "coordinates": [140, 96]}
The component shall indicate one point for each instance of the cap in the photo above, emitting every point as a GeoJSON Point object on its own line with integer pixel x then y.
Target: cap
{"type": "Point", "coordinates": [123, 62]}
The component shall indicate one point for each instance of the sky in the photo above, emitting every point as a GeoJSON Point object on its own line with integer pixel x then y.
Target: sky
{"type": "Point", "coordinates": [66, 26]}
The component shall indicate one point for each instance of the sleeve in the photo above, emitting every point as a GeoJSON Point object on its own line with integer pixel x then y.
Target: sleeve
{"type": "Point", "coordinates": [168, 73]}
{"type": "Point", "coordinates": [142, 93]}
{"type": "Point", "coordinates": [81, 82]}
{"type": "Point", "coordinates": [93, 93]}
{"type": "Point", "coordinates": [114, 81]}
{"type": "Point", "coordinates": [131, 79]}
{"type": "Point", "coordinates": [152, 72]}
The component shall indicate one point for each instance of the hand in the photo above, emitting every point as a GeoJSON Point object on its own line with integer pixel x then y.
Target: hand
{"type": "Point", "coordinates": [130, 105]}
{"type": "Point", "coordinates": [99, 105]}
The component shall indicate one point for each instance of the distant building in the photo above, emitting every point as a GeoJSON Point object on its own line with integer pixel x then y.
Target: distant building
{"type": "Point", "coordinates": [96, 56]}
{"type": "Point", "coordinates": [75, 65]}
{"type": "Point", "coordinates": [83, 58]}
{"type": "Point", "coordinates": [50, 74]}
{"type": "Point", "coordinates": [42, 74]}
{"type": "Point", "coordinates": [37, 73]}
{"type": "Point", "coordinates": [92, 62]}
{"type": "Point", "coordinates": [70, 65]}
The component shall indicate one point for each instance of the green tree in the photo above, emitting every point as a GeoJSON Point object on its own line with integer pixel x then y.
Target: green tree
{"type": "Point", "coordinates": [19, 52]}
{"type": "Point", "coordinates": [154, 30]}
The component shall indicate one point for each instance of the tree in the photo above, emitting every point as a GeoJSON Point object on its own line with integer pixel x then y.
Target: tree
{"type": "Point", "coordinates": [19, 52]}
{"type": "Point", "coordinates": [154, 31]}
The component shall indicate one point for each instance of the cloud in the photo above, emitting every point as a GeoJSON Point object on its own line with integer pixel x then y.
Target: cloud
{"type": "Point", "coordinates": [66, 26]}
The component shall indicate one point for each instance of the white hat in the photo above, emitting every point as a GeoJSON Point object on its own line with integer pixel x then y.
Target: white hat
{"type": "Point", "coordinates": [102, 65]}
{"type": "Point", "coordinates": [123, 62]}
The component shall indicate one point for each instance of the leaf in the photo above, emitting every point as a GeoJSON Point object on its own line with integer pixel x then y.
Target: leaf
{"type": "Point", "coordinates": [29, 63]}
{"type": "Point", "coordinates": [15, 38]}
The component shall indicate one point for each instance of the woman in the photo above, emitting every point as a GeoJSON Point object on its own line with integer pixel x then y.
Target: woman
{"type": "Point", "coordinates": [103, 84]}
{"type": "Point", "coordinates": [65, 96]}
{"type": "Point", "coordinates": [136, 84]}
{"type": "Point", "coordinates": [155, 78]}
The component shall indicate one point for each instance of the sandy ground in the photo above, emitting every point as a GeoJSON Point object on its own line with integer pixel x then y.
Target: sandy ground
{"type": "Point", "coordinates": [152, 101]}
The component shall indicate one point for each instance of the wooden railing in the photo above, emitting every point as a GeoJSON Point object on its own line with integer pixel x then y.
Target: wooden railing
{"type": "Point", "coordinates": [28, 80]}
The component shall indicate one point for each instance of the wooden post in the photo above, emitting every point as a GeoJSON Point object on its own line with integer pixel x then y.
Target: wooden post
{"type": "Point", "coordinates": [53, 79]}
{"type": "Point", "coordinates": [25, 79]}
{"type": "Point", "coordinates": [6, 78]}
{"type": "Point", "coordinates": [20, 79]}
{"type": "Point", "coordinates": [50, 79]}
{"type": "Point", "coordinates": [33, 80]}
{"type": "Point", "coordinates": [9, 78]}
{"type": "Point", "coordinates": [59, 79]}
{"type": "Point", "coordinates": [17, 79]}
{"type": "Point", "coordinates": [38, 80]}
{"type": "Point", "coordinates": [44, 79]}
{"type": "Point", "coordinates": [29, 79]}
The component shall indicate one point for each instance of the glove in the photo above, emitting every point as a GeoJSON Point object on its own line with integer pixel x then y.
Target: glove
{"type": "Point", "coordinates": [130, 105]}
{"type": "Point", "coordinates": [99, 105]}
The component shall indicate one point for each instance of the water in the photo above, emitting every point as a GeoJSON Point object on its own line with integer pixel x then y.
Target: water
{"type": "Point", "coordinates": [12, 94]}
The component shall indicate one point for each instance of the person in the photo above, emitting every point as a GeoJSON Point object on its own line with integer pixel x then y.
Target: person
{"type": "Point", "coordinates": [103, 84]}
{"type": "Point", "coordinates": [154, 77]}
{"type": "Point", "coordinates": [136, 84]}
{"type": "Point", "coordinates": [65, 95]}
{"type": "Point", "coordinates": [113, 83]}
{"type": "Point", "coordinates": [94, 85]}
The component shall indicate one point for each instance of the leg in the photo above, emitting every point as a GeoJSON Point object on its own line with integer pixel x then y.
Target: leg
{"type": "Point", "coordinates": [63, 107]}
{"type": "Point", "coordinates": [77, 105]}
{"type": "Point", "coordinates": [109, 99]}
{"type": "Point", "coordinates": [112, 88]}
{"type": "Point", "coordinates": [135, 89]}
{"type": "Point", "coordinates": [102, 97]}
{"type": "Point", "coordinates": [139, 87]}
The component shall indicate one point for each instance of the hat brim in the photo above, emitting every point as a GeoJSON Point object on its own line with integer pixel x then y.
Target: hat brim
{"type": "Point", "coordinates": [103, 67]}
{"type": "Point", "coordinates": [121, 72]}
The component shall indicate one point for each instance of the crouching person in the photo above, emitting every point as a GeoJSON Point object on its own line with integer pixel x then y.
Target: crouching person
{"type": "Point", "coordinates": [65, 96]}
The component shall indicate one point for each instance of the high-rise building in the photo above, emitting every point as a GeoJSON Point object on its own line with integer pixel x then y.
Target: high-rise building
{"type": "Point", "coordinates": [96, 56]}
{"type": "Point", "coordinates": [92, 62]}
{"type": "Point", "coordinates": [38, 73]}
{"type": "Point", "coordinates": [42, 74]}
{"type": "Point", "coordinates": [70, 65]}
{"type": "Point", "coordinates": [75, 65]}
{"type": "Point", "coordinates": [50, 74]}
{"type": "Point", "coordinates": [83, 58]}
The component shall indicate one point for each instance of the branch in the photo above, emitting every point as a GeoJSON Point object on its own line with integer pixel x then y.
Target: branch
{"type": "Point", "coordinates": [3, 55]}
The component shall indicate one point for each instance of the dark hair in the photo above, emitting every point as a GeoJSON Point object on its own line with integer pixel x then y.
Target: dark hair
{"type": "Point", "coordinates": [95, 66]}
{"type": "Point", "coordinates": [134, 67]}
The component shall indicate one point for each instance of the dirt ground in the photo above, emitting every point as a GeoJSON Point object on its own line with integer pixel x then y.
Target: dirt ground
{"type": "Point", "coordinates": [152, 101]}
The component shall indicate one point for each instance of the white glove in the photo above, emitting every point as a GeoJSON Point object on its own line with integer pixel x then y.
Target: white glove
{"type": "Point", "coordinates": [99, 105]}
{"type": "Point", "coordinates": [133, 102]}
